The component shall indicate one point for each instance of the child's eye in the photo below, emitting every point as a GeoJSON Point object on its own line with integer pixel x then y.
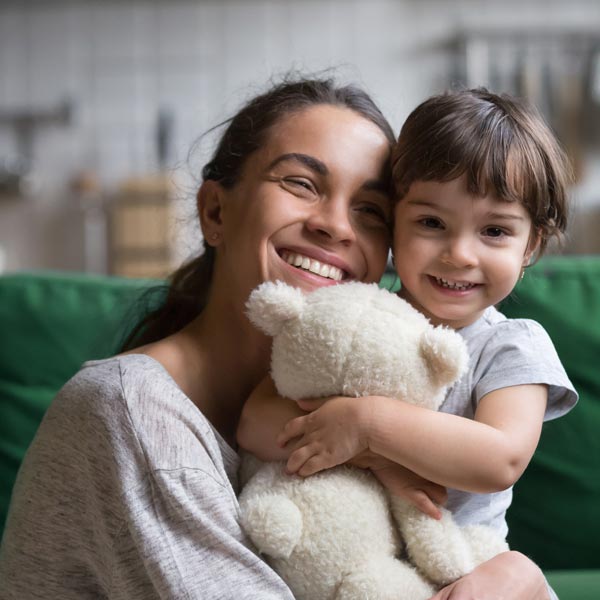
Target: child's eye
{"type": "Point", "coordinates": [494, 232]}
{"type": "Point", "coordinates": [431, 223]}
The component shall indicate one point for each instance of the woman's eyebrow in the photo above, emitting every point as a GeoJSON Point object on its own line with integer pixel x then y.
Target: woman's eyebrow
{"type": "Point", "coordinates": [309, 161]}
{"type": "Point", "coordinates": [377, 185]}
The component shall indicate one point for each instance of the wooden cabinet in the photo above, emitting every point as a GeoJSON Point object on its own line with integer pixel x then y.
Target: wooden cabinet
{"type": "Point", "coordinates": [141, 218]}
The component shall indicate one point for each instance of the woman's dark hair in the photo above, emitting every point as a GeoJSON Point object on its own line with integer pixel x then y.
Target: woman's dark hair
{"type": "Point", "coordinates": [500, 143]}
{"type": "Point", "coordinates": [246, 132]}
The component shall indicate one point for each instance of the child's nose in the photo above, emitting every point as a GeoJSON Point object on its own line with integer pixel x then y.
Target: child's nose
{"type": "Point", "coordinates": [460, 252]}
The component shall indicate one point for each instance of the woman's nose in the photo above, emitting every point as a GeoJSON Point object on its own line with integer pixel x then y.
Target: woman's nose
{"type": "Point", "coordinates": [332, 218]}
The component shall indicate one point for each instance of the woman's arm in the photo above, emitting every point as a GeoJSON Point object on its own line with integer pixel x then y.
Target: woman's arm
{"type": "Point", "coordinates": [264, 415]}
{"type": "Point", "coordinates": [507, 575]}
{"type": "Point", "coordinates": [483, 455]}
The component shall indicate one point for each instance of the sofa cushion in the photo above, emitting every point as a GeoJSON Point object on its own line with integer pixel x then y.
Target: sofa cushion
{"type": "Point", "coordinates": [51, 323]}
{"type": "Point", "coordinates": [575, 584]}
{"type": "Point", "coordinates": [554, 517]}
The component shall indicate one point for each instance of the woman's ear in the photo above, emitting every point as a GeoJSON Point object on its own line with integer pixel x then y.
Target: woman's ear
{"type": "Point", "coordinates": [210, 205]}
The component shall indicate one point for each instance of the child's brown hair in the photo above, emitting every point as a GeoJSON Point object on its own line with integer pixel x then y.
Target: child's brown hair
{"type": "Point", "coordinates": [500, 143]}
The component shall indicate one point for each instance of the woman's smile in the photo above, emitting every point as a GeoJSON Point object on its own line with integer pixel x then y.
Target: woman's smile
{"type": "Point", "coordinates": [306, 210]}
{"type": "Point", "coordinates": [317, 263]}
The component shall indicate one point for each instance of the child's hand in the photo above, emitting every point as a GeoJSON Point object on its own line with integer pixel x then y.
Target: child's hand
{"type": "Point", "coordinates": [400, 481]}
{"type": "Point", "coordinates": [330, 435]}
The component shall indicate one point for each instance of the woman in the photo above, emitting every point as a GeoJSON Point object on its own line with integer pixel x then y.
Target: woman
{"type": "Point", "coordinates": [128, 490]}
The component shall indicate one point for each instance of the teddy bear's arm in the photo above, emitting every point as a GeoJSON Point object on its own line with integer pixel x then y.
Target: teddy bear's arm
{"type": "Point", "coordinates": [264, 415]}
{"type": "Point", "coordinates": [441, 549]}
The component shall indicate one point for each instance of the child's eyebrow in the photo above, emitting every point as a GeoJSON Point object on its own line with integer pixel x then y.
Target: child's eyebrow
{"type": "Point", "coordinates": [426, 203]}
{"type": "Point", "coordinates": [505, 216]}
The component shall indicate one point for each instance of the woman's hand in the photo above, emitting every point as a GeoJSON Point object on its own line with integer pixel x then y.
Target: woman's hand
{"type": "Point", "coordinates": [509, 575]}
{"type": "Point", "coordinates": [332, 434]}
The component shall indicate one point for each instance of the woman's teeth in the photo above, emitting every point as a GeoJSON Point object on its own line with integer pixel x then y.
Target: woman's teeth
{"type": "Point", "coordinates": [454, 285]}
{"type": "Point", "coordinates": [314, 266]}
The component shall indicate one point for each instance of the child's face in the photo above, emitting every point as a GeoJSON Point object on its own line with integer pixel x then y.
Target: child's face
{"type": "Point", "coordinates": [455, 253]}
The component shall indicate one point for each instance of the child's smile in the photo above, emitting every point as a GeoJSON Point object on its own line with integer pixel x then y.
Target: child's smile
{"type": "Point", "coordinates": [456, 253]}
{"type": "Point", "coordinates": [453, 286]}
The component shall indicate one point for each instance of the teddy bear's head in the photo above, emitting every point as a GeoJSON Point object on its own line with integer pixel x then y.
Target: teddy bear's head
{"type": "Point", "coordinates": [355, 339]}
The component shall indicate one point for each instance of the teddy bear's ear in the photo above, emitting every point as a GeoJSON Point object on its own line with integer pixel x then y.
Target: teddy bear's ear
{"type": "Point", "coordinates": [446, 354]}
{"type": "Point", "coordinates": [271, 304]}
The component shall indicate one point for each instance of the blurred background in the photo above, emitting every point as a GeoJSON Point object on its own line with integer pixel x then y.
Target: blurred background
{"type": "Point", "coordinates": [102, 103]}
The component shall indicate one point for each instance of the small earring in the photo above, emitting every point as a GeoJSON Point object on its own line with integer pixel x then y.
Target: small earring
{"type": "Point", "coordinates": [214, 237]}
{"type": "Point", "coordinates": [522, 274]}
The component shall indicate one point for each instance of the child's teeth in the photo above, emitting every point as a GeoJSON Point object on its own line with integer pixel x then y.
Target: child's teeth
{"type": "Point", "coordinates": [453, 285]}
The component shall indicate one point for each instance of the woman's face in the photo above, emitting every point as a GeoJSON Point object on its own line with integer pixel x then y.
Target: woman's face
{"type": "Point", "coordinates": [311, 207]}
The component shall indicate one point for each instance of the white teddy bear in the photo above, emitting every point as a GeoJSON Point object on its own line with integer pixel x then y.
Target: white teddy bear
{"type": "Point", "coordinates": [337, 534]}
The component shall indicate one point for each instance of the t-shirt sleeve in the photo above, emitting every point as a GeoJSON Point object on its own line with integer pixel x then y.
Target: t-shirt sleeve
{"type": "Point", "coordinates": [126, 496]}
{"type": "Point", "coordinates": [180, 520]}
{"type": "Point", "coordinates": [183, 536]}
{"type": "Point", "coordinates": [520, 353]}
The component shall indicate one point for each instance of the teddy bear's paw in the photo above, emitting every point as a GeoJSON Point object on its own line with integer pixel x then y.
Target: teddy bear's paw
{"type": "Point", "coordinates": [485, 542]}
{"type": "Point", "coordinates": [385, 578]}
{"type": "Point", "coordinates": [273, 523]}
{"type": "Point", "coordinates": [438, 548]}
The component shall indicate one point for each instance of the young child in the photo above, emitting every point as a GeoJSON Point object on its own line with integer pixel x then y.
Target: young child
{"type": "Point", "coordinates": [481, 188]}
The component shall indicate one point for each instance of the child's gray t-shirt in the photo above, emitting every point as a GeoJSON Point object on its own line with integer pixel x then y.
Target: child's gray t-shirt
{"type": "Point", "coordinates": [502, 353]}
{"type": "Point", "coordinates": [127, 492]}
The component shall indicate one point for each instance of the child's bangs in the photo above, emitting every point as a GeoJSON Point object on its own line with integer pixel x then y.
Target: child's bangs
{"type": "Point", "coordinates": [501, 166]}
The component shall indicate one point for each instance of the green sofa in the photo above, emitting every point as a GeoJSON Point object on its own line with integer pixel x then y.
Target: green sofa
{"type": "Point", "coordinates": [51, 322]}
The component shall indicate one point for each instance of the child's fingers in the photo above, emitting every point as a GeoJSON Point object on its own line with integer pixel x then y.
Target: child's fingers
{"type": "Point", "coordinates": [291, 429]}
{"type": "Point", "coordinates": [310, 404]}
{"type": "Point", "coordinates": [298, 458]}
{"type": "Point", "coordinates": [438, 493]}
{"type": "Point", "coordinates": [424, 503]}
{"type": "Point", "coordinates": [311, 466]}
{"type": "Point", "coordinates": [444, 594]}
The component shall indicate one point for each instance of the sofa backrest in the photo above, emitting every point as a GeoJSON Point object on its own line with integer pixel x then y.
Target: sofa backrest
{"type": "Point", "coordinates": [555, 515]}
{"type": "Point", "coordinates": [50, 323]}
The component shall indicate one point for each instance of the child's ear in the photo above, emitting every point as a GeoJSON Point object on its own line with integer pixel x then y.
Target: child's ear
{"type": "Point", "coordinates": [532, 247]}
{"type": "Point", "coordinates": [210, 206]}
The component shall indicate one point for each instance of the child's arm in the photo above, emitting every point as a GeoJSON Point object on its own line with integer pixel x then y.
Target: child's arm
{"type": "Point", "coordinates": [263, 417]}
{"type": "Point", "coordinates": [265, 414]}
{"type": "Point", "coordinates": [482, 455]}
{"type": "Point", "coordinates": [399, 481]}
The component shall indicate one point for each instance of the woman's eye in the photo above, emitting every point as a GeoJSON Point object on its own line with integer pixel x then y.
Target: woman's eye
{"type": "Point", "coordinates": [373, 214]}
{"type": "Point", "coordinates": [374, 210]}
{"type": "Point", "coordinates": [299, 185]}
